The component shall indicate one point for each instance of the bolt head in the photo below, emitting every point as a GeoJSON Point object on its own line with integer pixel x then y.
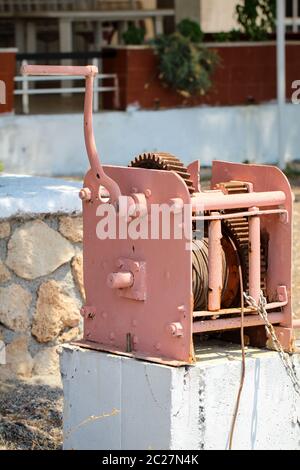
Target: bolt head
{"type": "Point", "coordinates": [82, 312]}
{"type": "Point", "coordinates": [112, 336]}
{"type": "Point", "coordinates": [135, 340]}
{"type": "Point", "coordinates": [85, 194]}
{"type": "Point", "coordinates": [136, 266]}
{"type": "Point", "coordinates": [175, 329]}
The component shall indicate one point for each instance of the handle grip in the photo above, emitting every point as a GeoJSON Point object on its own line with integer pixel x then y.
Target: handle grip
{"type": "Point", "coordinates": [89, 72]}
{"type": "Point", "coordinates": [83, 71]}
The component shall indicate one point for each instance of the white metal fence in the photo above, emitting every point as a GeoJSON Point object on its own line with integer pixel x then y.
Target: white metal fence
{"type": "Point", "coordinates": [24, 90]}
{"type": "Point", "coordinates": [19, 6]}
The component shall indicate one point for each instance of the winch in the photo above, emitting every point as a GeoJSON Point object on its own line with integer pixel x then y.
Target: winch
{"type": "Point", "coordinates": [163, 255]}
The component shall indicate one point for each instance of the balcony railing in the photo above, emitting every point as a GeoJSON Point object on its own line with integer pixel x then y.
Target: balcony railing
{"type": "Point", "coordinates": [27, 6]}
{"type": "Point", "coordinates": [23, 87]}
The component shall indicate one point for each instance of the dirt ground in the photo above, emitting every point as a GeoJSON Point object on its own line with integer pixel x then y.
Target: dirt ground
{"type": "Point", "coordinates": [31, 413]}
{"type": "Point", "coordinates": [30, 416]}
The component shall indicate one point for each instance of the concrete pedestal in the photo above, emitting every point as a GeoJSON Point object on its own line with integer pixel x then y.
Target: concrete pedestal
{"type": "Point", "coordinates": [118, 403]}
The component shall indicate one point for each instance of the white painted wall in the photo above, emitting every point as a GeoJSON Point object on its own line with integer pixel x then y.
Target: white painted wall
{"type": "Point", "coordinates": [31, 196]}
{"type": "Point", "coordinates": [54, 144]}
{"type": "Point", "coordinates": [119, 403]}
{"type": "Point", "coordinates": [215, 16]}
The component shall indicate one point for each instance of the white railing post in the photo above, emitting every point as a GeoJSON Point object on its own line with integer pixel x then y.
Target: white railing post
{"type": "Point", "coordinates": [116, 93]}
{"type": "Point", "coordinates": [295, 16]}
{"type": "Point", "coordinates": [25, 95]}
{"type": "Point", "coordinates": [25, 90]}
{"type": "Point", "coordinates": [159, 25]}
{"type": "Point", "coordinates": [281, 80]}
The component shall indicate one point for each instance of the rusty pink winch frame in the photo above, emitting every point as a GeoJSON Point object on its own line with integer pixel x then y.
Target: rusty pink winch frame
{"type": "Point", "coordinates": [139, 294]}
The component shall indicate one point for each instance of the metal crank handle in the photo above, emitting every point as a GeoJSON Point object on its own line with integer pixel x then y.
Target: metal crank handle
{"type": "Point", "coordinates": [89, 73]}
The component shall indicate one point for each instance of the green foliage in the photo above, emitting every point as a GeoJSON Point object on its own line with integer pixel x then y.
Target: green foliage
{"type": "Point", "coordinates": [134, 36]}
{"type": "Point", "coordinates": [257, 18]}
{"type": "Point", "coordinates": [228, 36]}
{"type": "Point", "coordinates": [185, 65]}
{"type": "Point", "coordinates": [190, 29]}
{"type": "Point", "coordinates": [1, 167]}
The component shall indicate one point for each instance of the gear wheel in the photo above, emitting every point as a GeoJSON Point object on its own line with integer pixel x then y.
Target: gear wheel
{"type": "Point", "coordinates": [238, 230]}
{"type": "Point", "coordinates": [164, 161]}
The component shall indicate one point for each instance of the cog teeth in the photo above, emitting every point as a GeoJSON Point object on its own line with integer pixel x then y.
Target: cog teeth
{"type": "Point", "coordinates": [239, 230]}
{"type": "Point", "coordinates": [164, 161]}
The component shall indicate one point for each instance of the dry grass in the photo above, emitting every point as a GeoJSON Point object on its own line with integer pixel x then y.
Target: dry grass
{"type": "Point", "coordinates": [30, 416]}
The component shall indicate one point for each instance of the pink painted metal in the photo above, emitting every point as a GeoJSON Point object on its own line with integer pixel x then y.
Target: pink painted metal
{"type": "Point", "coordinates": [240, 214]}
{"type": "Point", "coordinates": [194, 169]}
{"type": "Point", "coordinates": [278, 231]}
{"type": "Point", "coordinates": [89, 73]}
{"type": "Point", "coordinates": [215, 201]}
{"type": "Point", "coordinates": [166, 316]}
{"type": "Point", "coordinates": [85, 194]}
{"type": "Point", "coordinates": [120, 280]}
{"type": "Point", "coordinates": [233, 323]}
{"type": "Point", "coordinates": [167, 278]}
{"type": "Point", "coordinates": [254, 256]}
{"type": "Point", "coordinates": [57, 70]}
{"type": "Point", "coordinates": [215, 271]}
{"type": "Point", "coordinates": [139, 297]}
{"type": "Point", "coordinates": [138, 289]}
{"type": "Point", "coordinates": [237, 311]}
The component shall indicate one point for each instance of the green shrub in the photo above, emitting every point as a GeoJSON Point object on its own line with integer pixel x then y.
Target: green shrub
{"type": "Point", "coordinates": [184, 64]}
{"type": "Point", "coordinates": [228, 36]}
{"type": "Point", "coordinates": [257, 18]}
{"type": "Point", "coordinates": [190, 29]}
{"type": "Point", "coordinates": [134, 36]}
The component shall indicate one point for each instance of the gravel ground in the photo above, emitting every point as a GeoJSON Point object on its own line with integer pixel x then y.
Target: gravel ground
{"type": "Point", "coordinates": [30, 416]}
{"type": "Point", "coordinates": [31, 413]}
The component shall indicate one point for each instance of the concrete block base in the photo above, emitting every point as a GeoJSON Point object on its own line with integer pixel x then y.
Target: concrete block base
{"type": "Point", "coordinates": [118, 403]}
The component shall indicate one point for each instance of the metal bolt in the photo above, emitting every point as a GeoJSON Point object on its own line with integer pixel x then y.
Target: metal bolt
{"type": "Point", "coordinates": [148, 193]}
{"type": "Point", "coordinates": [91, 315]}
{"type": "Point", "coordinates": [135, 340]}
{"type": "Point", "coordinates": [112, 336]}
{"type": "Point", "coordinates": [82, 312]}
{"type": "Point", "coordinates": [175, 329]}
{"type": "Point", "coordinates": [136, 266]}
{"type": "Point", "coordinates": [158, 346]}
{"type": "Point", "coordinates": [85, 194]}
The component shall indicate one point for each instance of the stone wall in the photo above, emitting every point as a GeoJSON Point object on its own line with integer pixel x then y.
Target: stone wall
{"type": "Point", "coordinates": [41, 281]}
{"type": "Point", "coordinates": [41, 290]}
